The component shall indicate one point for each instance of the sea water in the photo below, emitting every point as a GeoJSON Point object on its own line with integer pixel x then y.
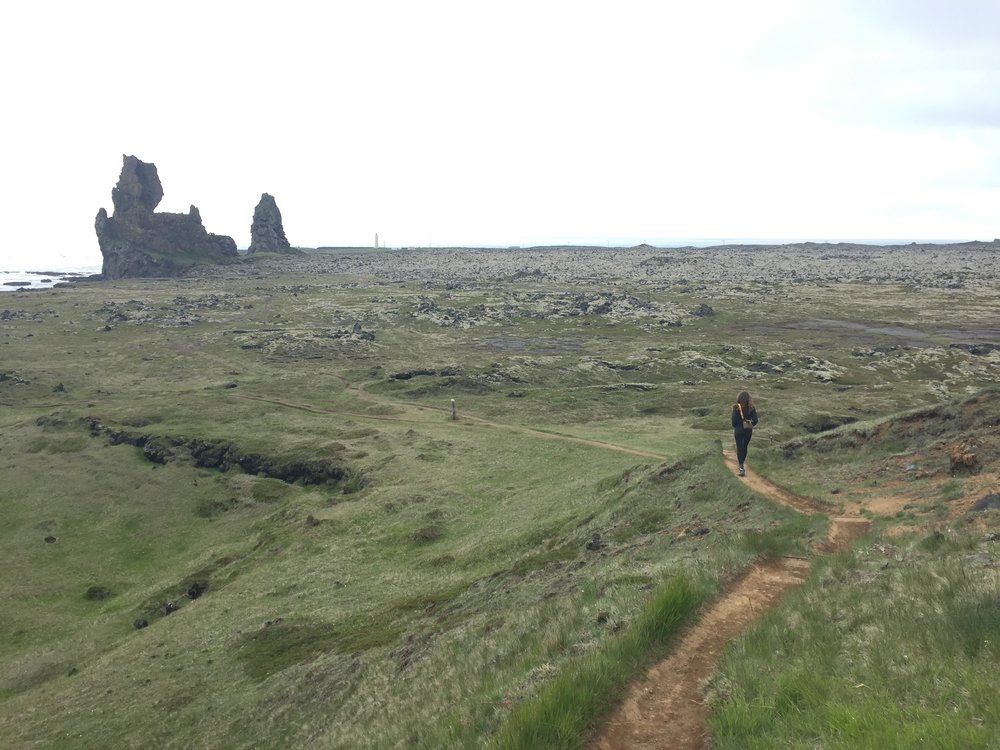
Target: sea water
{"type": "Point", "coordinates": [12, 281]}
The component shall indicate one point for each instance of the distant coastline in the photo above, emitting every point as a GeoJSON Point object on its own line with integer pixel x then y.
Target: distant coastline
{"type": "Point", "coordinates": [12, 281]}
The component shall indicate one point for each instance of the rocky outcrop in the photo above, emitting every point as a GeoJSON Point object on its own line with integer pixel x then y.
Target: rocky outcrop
{"type": "Point", "coordinates": [221, 454]}
{"type": "Point", "coordinates": [267, 235]}
{"type": "Point", "coordinates": [135, 241]}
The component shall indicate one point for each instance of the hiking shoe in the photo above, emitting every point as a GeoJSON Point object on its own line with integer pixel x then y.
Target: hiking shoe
{"type": "Point", "coordinates": [742, 472]}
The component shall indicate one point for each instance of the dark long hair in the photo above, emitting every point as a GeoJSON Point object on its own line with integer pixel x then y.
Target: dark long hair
{"type": "Point", "coordinates": [746, 403]}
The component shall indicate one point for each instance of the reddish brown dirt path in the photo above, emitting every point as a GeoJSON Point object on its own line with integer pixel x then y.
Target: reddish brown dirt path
{"type": "Point", "coordinates": [773, 491]}
{"type": "Point", "coordinates": [843, 529]}
{"type": "Point", "coordinates": [665, 709]}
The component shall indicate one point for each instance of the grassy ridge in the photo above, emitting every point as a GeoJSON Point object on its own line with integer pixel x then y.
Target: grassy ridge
{"type": "Point", "coordinates": [894, 643]}
{"type": "Point", "coordinates": [421, 579]}
{"type": "Point", "coordinates": [875, 652]}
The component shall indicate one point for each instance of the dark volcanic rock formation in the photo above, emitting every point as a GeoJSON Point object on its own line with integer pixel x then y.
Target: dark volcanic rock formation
{"type": "Point", "coordinates": [223, 455]}
{"type": "Point", "coordinates": [135, 241]}
{"type": "Point", "coordinates": [267, 235]}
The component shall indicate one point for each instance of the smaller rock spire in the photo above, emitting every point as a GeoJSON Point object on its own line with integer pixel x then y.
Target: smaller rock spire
{"type": "Point", "coordinates": [267, 235]}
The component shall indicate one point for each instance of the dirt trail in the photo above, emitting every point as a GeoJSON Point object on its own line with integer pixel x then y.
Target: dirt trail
{"type": "Point", "coordinates": [665, 708]}
{"type": "Point", "coordinates": [843, 529]}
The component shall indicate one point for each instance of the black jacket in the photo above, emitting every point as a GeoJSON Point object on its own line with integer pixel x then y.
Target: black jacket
{"type": "Point", "coordinates": [738, 420]}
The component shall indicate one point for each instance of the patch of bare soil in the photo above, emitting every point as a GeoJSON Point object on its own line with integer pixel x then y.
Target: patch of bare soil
{"type": "Point", "coordinates": [665, 709]}
{"type": "Point", "coordinates": [843, 530]}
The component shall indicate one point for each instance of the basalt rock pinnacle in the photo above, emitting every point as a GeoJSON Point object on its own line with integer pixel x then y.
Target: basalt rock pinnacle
{"type": "Point", "coordinates": [267, 235]}
{"type": "Point", "coordinates": [136, 241]}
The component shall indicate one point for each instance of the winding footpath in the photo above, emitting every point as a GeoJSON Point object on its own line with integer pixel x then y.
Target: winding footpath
{"type": "Point", "coordinates": [665, 708]}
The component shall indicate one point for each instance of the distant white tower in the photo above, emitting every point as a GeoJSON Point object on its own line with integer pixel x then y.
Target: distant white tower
{"type": "Point", "coordinates": [376, 239]}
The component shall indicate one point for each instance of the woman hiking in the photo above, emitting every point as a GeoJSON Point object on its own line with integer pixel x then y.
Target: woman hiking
{"type": "Point", "coordinates": [744, 419]}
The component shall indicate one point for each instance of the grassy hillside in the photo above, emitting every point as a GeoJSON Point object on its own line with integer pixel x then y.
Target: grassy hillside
{"type": "Point", "coordinates": [369, 572]}
{"type": "Point", "coordinates": [894, 643]}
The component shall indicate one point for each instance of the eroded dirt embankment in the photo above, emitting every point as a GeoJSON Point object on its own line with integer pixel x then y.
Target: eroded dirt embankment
{"type": "Point", "coordinates": [665, 708]}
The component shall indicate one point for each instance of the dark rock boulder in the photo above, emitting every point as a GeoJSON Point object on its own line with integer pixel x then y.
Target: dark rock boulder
{"type": "Point", "coordinates": [765, 367]}
{"type": "Point", "coordinates": [825, 422]}
{"type": "Point", "coordinates": [267, 235]}
{"type": "Point", "coordinates": [980, 350]}
{"type": "Point", "coordinates": [135, 241]}
{"type": "Point", "coordinates": [196, 589]}
{"type": "Point", "coordinates": [987, 502]}
{"type": "Point", "coordinates": [159, 450]}
{"type": "Point", "coordinates": [408, 374]}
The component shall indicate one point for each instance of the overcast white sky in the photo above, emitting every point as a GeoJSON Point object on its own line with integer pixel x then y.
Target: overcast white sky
{"type": "Point", "coordinates": [506, 123]}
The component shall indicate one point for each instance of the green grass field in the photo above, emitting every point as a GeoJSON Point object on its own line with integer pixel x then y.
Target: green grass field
{"type": "Point", "coordinates": [496, 579]}
{"type": "Point", "coordinates": [906, 637]}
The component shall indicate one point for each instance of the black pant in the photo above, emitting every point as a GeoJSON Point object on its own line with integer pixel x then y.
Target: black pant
{"type": "Point", "coordinates": [742, 441]}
